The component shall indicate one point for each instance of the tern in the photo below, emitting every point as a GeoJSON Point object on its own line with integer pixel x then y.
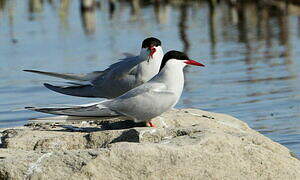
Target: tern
{"type": "Point", "coordinates": [117, 79]}
{"type": "Point", "coordinates": [143, 103]}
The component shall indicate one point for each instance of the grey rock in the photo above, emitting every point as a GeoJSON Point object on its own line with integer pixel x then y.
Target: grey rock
{"type": "Point", "coordinates": [188, 144]}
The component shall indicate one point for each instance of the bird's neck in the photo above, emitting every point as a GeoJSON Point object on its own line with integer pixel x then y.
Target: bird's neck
{"type": "Point", "coordinates": [149, 67]}
{"type": "Point", "coordinates": [172, 75]}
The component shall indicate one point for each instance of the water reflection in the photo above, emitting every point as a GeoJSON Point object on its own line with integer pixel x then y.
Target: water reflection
{"type": "Point", "coordinates": [88, 16]}
{"type": "Point", "coordinates": [112, 8]}
{"type": "Point", "coordinates": [183, 27]}
{"type": "Point", "coordinates": [249, 16]}
{"type": "Point", "coordinates": [64, 13]}
{"type": "Point", "coordinates": [35, 6]}
{"type": "Point", "coordinates": [212, 27]}
{"type": "Point", "coordinates": [161, 11]}
{"type": "Point", "coordinates": [11, 13]}
{"type": "Point", "coordinates": [135, 8]}
{"type": "Point", "coordinates": [2, 4]}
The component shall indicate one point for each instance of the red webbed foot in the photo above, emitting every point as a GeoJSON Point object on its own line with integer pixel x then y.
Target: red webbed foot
{"type": "Point", "coordinates": [150, 124]}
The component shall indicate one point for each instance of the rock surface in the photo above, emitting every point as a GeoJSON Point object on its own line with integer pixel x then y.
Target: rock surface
{"type": "Point", "coordinates": [188, 144]}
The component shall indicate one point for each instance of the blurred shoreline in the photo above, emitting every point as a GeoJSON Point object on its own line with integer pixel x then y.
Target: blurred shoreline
{"type": "Point", "coordinates": [239, 12]}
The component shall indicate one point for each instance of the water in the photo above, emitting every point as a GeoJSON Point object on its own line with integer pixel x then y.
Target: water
{"type": "Point", "coordinates": [251, 52]}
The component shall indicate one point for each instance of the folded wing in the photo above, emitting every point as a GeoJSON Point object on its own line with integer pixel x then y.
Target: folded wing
{"type": "Point", "coordinates": [144, 102]}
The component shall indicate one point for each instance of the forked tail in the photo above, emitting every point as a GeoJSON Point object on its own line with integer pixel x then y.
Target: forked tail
{"type": "Point", "coordinates": [82, 111]}
{"type": "Point", "coordinates": [69, 76]}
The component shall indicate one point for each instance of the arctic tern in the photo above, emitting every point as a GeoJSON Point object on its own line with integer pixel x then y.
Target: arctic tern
{"type": "Point", "coordinates": [117, 79]}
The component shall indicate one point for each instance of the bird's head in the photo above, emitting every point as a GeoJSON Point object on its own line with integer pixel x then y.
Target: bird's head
{"type": "Point", "coordinates": [150, 46]}
{"type": "Point", "coordinates": [178, 58]}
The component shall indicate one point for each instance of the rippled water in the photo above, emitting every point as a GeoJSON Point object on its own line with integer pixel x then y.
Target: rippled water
{"type": "Point", "coordinates": [251, 52]}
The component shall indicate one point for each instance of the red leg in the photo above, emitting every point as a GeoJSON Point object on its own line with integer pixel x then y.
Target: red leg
{"type": "Point", "coordinates": [150, 124]}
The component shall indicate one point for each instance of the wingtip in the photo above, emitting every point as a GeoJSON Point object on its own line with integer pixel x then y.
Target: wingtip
{"type": "Point", "coordinates": [51, 87]}
{"type": "Point", "coordinates": [30, 70]}
{"type": "Point", "coordinates": [47, 85]}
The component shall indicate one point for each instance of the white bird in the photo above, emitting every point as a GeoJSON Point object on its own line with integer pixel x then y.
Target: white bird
{"type": "Point", "coordinates": [142, 103]}
{"type": "Point", "coordinates": [116, 80]}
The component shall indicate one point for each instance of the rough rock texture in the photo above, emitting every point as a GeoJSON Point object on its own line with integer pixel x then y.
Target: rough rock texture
{"type": "Point", "coordinates": [188, 144]}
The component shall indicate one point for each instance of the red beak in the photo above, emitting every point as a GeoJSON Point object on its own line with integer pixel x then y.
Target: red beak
{"type": "Point", "coordinates": [192, 62]}
{"type": "Point", "coordinates": [152, 51]}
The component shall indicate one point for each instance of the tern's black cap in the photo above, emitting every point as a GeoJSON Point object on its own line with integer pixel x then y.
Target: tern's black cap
{"type": "Point", "coordinates": [173, 55]}
{"type": "Point", "coordinates": [151, 41]}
